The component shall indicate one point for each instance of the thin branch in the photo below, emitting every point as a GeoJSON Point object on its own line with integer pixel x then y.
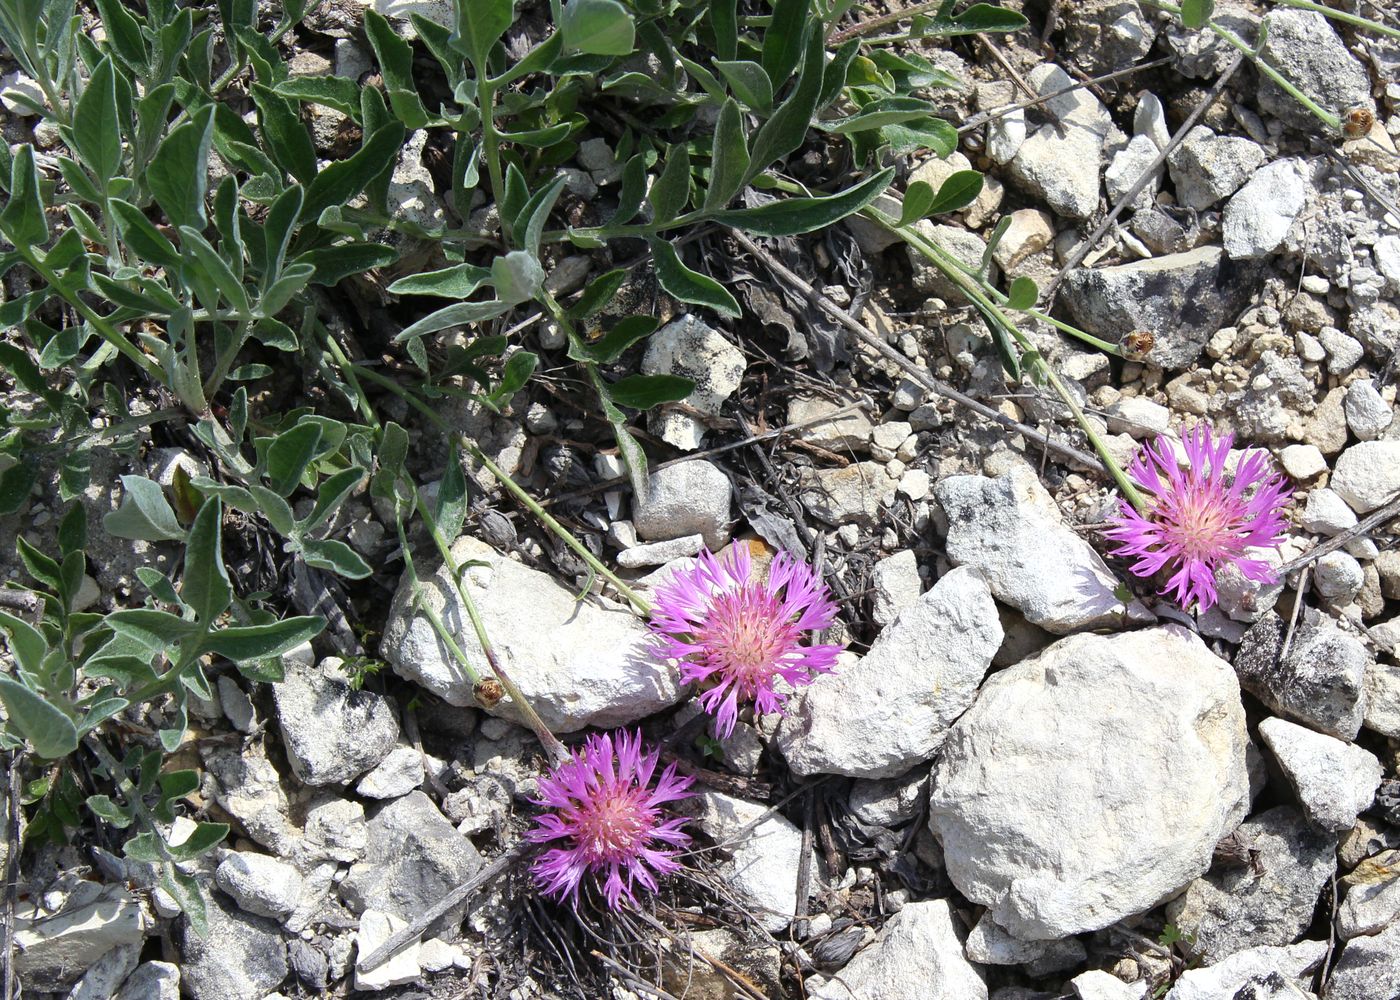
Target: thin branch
{"type": "Point", "coordinates": [1362, 527]}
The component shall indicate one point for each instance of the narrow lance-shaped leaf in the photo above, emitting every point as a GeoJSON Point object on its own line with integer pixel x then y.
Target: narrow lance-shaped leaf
{"type": "Point", "coordinates": [50, 731]}
{"type": "Point", "coordinates": [793, 216]}
{"type": "Point", "coordinates": [179, 172]}
{"type": "Point", "coordinates": [729, 158]}
{"type": "Point", "coordinates": [96, 125]}
{"type": "Point", "coordinates": [22, 220]}
{"type": "Point", "coordinates": [689, 286]}
{"type": "Point", "coordinates": [205, 585]}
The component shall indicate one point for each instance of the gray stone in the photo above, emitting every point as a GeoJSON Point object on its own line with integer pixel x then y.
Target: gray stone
{"type": "Point", "coordinates": [1368, 968]}
{"type": "Point", "coordinates": [873, 238]}
{"type": "Point", "coordinates": [1138, 417]}
{"type": "Point", "coordinates": [1338, 576]}
{"type": "Point", "coordinates": [1367, 475]}
{"type": "Point", "coordinates": [1343, 353]}
{"type": "Point", "coordinates": [851, 495]}
{"type": "Point", "coordinates": [1382, 684]}
{"type": "Point", "coordinates": [819, 426]}
{"type": "Point", "coordinates": [896, 584]}
{"type": "Point", "coordinates": [1327, 513]}
{"type": "Point", "coordinates": [1010, 529]}
{"type": "Point", "coordinates": [1320, 681]}
{"type": "Point", "coordinates": [397, 774]}
{"type": "Point", "coordinates": [1369, 907]}
{"type": "Point", "coordinates": [1060, 166]}
{"type": "Point", "coordinates": [918, 955]}
{"type": "Point", "coordinates": [688, 498]}
{"type": "Point", "coordinates": [690, 348]}
{"type": "Point", "coordinates": [335, 830]}
{"type": "Point", "coordinates": [1207, 167]}
{"type": "Point", "coordinates": [238, 707]}
{"type": "Point", "coordinates": [1334, 781]}
{"type": "Point", "coordinates": [1247, 905]}
{"type": "Point", "coordinates": [152, 981]}
{"type": "Point", "coordinates": [660, 553]}
{"type": "Point", "coordinates": [1182, 299]}
{"type": "Point", "coordinates": [241, 958]}
{"type": "Point", "coordinates": [1259, 216]}
{"type": "Point", "coordinates": [1368, 415]}
{"type": "Point", "coordinates": [892, 708]}
{"type": "Point", "coordinates": [1203, 54]}
{"type": "Point", "coordinates": [1099, 985]}
{"type": "Point", "coordinates": [1302, 462]}
{"type": "Point", "coordinates": [889, 802]}
{"type": "Point", "coordinates": [989, 944]}
{"type": "Point", "coordinates": [259, 884]}
{"type": "Point", "coordinates": [332, 733]}
{"type": "Point", "coordinates": [1250, 971]}
{"type": "Point", "coordinates": [1078, 109]}
{"type": "Point", "coordinates": [249, 788]}
{"type": "Point", "coordinates": [579, 663]}
{"type": "Point", "coordinates": [376, 928]}
{"type": "Point", "coordinates": [482, 804]}
{"type": "Point", "coordinates": [105, 975]}
{"type": "Point", "coordinates": [762, 854]}
{"type": "Point", "coordinates": [1106, 35]}
{"type": "Point", "coordinates": [1315, 59]}
{"type": "Point", "coordinates": [53, 949]}
{"type": "Point", "coordinates": [1092, 782]}
{"type": "Point", "coordinates": [1278, 390]}
{"type": "Point", "coordinates": [1243, 599]}
{"type": "Point", "coordinates": [413, 858]}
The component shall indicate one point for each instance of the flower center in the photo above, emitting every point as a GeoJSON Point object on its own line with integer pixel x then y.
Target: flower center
{"type": "Point", "coordinates": [745, 636]}
{"type": "Point", "coordinates": [1199, 525]}
{"type": "Point", "coordinates": [613, 827]}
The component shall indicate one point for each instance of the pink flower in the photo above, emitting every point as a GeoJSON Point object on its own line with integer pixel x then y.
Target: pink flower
{"type": "Point", "coordinates": [736, 635]}
{"type": "Point", "coordinates": [607, 813]}
{"type": "Point", "coordinates": [1199, 520]}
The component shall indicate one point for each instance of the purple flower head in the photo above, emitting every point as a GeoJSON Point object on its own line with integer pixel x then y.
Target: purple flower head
{"type": "Point", "coordinates": [607, 813]}
{"type": "Point", "coordinates": [1199, 521]}
{"type": "Point", "coordinates": [736, 635]}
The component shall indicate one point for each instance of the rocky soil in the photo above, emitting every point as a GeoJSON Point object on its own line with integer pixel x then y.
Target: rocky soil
{"type": "Point", "coordinates": [1030, 777]}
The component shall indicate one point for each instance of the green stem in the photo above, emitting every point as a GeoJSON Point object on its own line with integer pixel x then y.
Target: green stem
{"type": "Point", "coordinates": [953, 270]}
{"type": "Point", "coordinates": [225, 360]}
{"type": "Point", "coordinates": [104, 329]}
{"type": "Point", "coordinates": [1340, 15]}
{"type": "Point", "coordinates": [1321, 113]}
{"type": "Point", "coordinates": [490, 138]}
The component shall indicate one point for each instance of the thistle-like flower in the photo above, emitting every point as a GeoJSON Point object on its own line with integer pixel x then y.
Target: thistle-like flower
{"type": "Point", "coordinates": [736, 635]}
{"type": "Point", "coordinates": [1199, 520]}
{"type": "Point", "coordinates": [607, 812]}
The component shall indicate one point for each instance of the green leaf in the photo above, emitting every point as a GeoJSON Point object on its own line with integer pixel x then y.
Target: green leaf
{"type": "Point", "coordinates": [729, 158]}
{"type": "Point", "coordinates": [642, 392]}
{"type": "Point", "coordinates": [836, 72]}
{"type": "Point", "coordinates": [978, 18]}
{"type": "Point", "coordinates": [124, 33]}
{"type": "Point", "coordinates": [156, 631]}
{"type": "Point", "coordinates": [528, 226]}
{"type": "Point", "coordinates": [72, 530]}
{"type": "Point", "coordinates": [688, 286]}
{"type": "Point", "coordinates": [277, 231]}
{"type": "Point", "coordinates": [48, 730]}
{"type": "Point", "coordinates": [277, 511]}
{"type": "Point", "coordinates": [342, 180]}
{"type": "Point", "coordinates": [104, 808]}
{"type": "Point", "coordinates": [204, 838]}
{"type": "Point", "coordinates": [610, 346]}
{"type": "Point", "coordinates": [213, 266]}
{"type": "Point", "coordinates": [479, 24]}
{"type": "Point", "coordinates": [289, 455]}
{"type": "Point", "coordinates": [878, 114]}
{"type": "Point", "coordinates": [957, 192]}
{"type": "Point", "coordinates": [793, 216]}
{"type": "Point", "coordinates": [139, 234]}
{"type": "Point", "coordinates": [144, 513]}
{"type": "Point", "coordinates": [632, 191]}
{"type": "Point", "coordinates": [457, 282]}
{"type": "Point", "coordinates": [597, 27]}
{"type": "Point", "coordinates": [787, 129]}
{"type": "Point", "coordinates": [395, 58]}
{"type": "Point", "coordinates": [26, 643]}
{"type": "Point", "coordinates": [179, 172]}
{"type": "Point", "coordinates": [517, 277]}
{"type": "Point", "coordinates": [454, 315]}
{"type": "Point", "coordinates": [258, 642]}
{"type": "Point", "coordinates": [97, 134]}
{"type": "Point", "coordinates": [204, 585]}
{"type": "Point", "coordinates": [332, 264]}
{"type": "Point", "coordinates": [22, 220]}
{"type": "Point", "coordinates": [331, 495]}
{"type": "Point", "coordinates": [724, 21]}
{"type": "Point", "coordinates": [671, 191]}
{"type": "Point", "coordinates": [932, 134]}
{"type": "Point", "coordinates": [599, 293]}
{"type": "Point", "coordinates": [450, 508]}
{"type": "Point", "coordinates": [749, 83]}
{"type": "Point", "coordinates": [285, 137]}
{"type": "Point", "coordinates": [43, 568]}
{"type": "Point", "coordinates": [1195, 13]}
{"type": "Point", "coordinates": [918, 199]}
{"type": "Point", "coordinates": [1022, 293]}
{"type": "Point", "coordinates": [334, 92]}
{"type": "Point", "coordinates": [186, 892]}
{"type": "Point", "coordinates": [335, 556]}
{"type": "Point", "coordinates": [782, 40]}
{"type": "Point", "coordinates": [516, 372]}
